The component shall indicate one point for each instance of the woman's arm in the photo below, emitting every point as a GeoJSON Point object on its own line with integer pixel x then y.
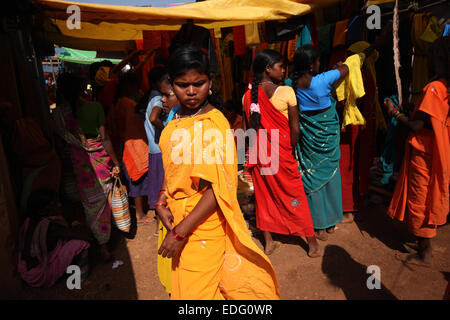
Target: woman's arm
{"type": "Point", "coordinates": [294, 125]}
{"type": "Point", "coordinates": [154, 118]}
{"type": "Point", "coordinates": [107, 144]}
{"type": "Point", "coordinates": [171, 246]}
{"type": "Point", "coordinates": [420, 120]}
{"type": "Point", "coordinates": [343, 70]}
{"type": "Point", "coordinates": [122, 63]}
{"type": "Point", "coordinates": [144, 61]}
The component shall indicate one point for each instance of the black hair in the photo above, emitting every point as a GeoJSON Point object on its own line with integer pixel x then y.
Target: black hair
{"type": "Point", "coordinates": [439, 54]}
{"type": "Point", "coordinates": [126, 79]}
{"type": "Point", "coordinates": [304, 57]}
{"type": "Point", "coordinates": [157, 74]}
{"type": "Point", "coordinates": [265, 58]}
{"type": "Point", "coordinates": [70, 87]}
{"type": "Point", "coordinates": [191, 57]}
{"type": "Point", "coordinates": [38, 201]}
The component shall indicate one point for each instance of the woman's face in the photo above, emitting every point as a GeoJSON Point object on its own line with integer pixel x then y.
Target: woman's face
{"type": "Point", "coordinates": [191, 88]}
{"type": "Point", "coordinates": [168, 99]}
{"type": "Point", "coordinates": [277, 71]}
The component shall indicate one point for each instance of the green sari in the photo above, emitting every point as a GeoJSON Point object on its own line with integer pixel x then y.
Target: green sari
{"type": "Point", "coordinates": [318, 154]}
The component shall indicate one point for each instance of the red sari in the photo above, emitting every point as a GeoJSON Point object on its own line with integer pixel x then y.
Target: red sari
{"type": "Point", "coordinates": [281, 203]}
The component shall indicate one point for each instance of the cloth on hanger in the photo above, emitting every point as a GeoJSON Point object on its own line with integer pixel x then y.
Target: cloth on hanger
{"type": "Point", "coordinates": [354, 29]}
{"type": "Point", "coordinates": [325, 38]}
{"type": "Point", "coordinates": [291, 46]}
{"type": "Point", "coordinates": [314, 30]}
{"type": "Point", "coordinates": [227, 71]}
{"type": "Point", "coordinates": [420, 64]}
{"type": "Point", "coordinates": [199, 36]}
{"type": "Point", "coordinates": [369, 62]}
{"type": "Point", "coordinates": [239, 40]}
{"type": "Point", "coordinates": [252, 34]}
{"type": "Point", "coordinates": [304, 37]}
{"type": "Point", "coordinates": [340, 32]}
{"type": "Point", "coordinates": [284, 31]}
{"type": "Point", "coordinates": [433, 30]}
{"type": "Point", "coordinates": [351, 89]}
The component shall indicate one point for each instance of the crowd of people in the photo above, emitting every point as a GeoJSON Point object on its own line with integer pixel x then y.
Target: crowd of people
{"type": "Point", "coordinates": [205, 249]}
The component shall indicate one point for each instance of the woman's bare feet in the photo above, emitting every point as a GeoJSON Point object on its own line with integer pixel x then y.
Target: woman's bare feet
{"type": "Point", "coordinates": [348, 217]}
{"type": "Point", "coordinates": [270, 247]}
{"type": "Point", "coordinates": [314, 247]}
{"type": "Point", "coordinates": [321, 235]}
{"type": "Point", "coordinates": [331, 229]}
{"type": "Point", "coordinates": [270, 244]}
{"type": "Point", "coordinates": [424, 257]}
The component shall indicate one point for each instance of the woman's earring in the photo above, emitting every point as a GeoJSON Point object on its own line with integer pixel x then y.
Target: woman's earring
{"type": "Point", "coordinates": [210, 92]}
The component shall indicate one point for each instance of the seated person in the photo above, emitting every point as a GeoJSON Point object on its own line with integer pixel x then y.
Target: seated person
{"type": "Point", "coordinates": [47, 245]}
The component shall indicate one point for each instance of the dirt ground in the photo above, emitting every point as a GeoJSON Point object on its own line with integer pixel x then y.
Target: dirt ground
{"type": "Point", "coordinates": [373, 239]}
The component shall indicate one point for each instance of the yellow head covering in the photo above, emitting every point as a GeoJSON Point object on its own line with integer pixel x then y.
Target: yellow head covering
{"type": "Point", "coordinates": [369, 62]}
{"type": "Point", "coordinates": [102, 76]}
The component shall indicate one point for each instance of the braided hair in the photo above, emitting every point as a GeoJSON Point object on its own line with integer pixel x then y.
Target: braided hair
{"type": "Point", "coordinates": [265, 58]}
{"type": "Point", "coordinates": [304, 57]}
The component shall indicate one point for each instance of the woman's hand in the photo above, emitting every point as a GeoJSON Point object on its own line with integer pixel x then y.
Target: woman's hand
{"type": "Point", "coordinates": [166, 217]}
{"type": "Point", "coordinates": [171, 247]}
{"type": "Point", "coordinates": [115, 171]}
{"type": "Point", "coordinates": [390, 109]}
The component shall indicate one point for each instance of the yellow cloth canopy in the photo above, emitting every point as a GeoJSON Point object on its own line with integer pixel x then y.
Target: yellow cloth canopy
{"type": "Point", "coordinates": [112, 22]}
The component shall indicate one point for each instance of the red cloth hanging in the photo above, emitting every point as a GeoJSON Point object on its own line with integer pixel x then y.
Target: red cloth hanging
{"type": "Point", "coordinates": [239, 40]}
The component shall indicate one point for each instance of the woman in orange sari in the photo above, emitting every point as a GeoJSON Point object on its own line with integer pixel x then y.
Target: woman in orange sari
{"type": "Point", "coordinates": [421, 196]}
{"type": "Point", "coordinates": [213, 254]}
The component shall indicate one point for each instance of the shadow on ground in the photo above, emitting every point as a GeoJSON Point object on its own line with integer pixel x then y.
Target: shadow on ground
{"type": "Point", "coordinates": [378, 224]}
{"type": "Point", "coordinates": [351, 276]}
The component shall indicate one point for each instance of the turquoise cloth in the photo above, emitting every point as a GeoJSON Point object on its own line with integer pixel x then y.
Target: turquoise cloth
{"type": "Point", "coordinates": [305, 35]}
{"type": "Point", "coordinates": [326, 204]}
{"type": "Point", "coordinates": [389, 155]}
{"type": "Point", "coordinates": [318, 156]}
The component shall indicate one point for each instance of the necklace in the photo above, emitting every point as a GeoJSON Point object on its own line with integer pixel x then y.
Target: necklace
{"type": "Point", "coordinates": [177, 115]}
{"type": "Point", "coordinates": [266, 82]}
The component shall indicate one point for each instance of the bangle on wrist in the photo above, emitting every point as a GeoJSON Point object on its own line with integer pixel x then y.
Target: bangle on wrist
{"type": "Point", "coordinates": [177, 236]}
{"type": "Point", "coordinates": [160, 203]}
{"type": "Point", "coordinates": [400, 115]}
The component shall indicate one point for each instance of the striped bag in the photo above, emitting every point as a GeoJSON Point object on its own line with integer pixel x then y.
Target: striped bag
{"type": "Point", "coordinates": [119, 206]}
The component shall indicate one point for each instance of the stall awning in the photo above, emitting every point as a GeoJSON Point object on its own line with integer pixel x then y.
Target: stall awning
{"type": "Point", "coordinates": [82, 56]}
{"type": "Point", "coordinates": [120, 23]}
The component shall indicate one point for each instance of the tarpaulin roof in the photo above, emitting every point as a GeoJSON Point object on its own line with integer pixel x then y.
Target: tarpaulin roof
{"type": "Point", "coordinates": [120, 23]}
{"type": "Point", "coordinates": [82, 56]}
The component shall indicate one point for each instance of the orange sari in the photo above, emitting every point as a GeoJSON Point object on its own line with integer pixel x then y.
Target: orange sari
{"type": "Point", "coordinates": [220, 260]}
{"type": "Point", "coordinates": [422, 191]}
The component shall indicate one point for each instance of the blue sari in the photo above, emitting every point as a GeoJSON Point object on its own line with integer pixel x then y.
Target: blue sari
{"type": "Point", "coordinates": [318, 154]}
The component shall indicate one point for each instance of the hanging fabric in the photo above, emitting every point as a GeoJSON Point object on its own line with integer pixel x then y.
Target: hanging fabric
{"type": "Point", "coordinates": [354, 31]}
{"type": "Point", "coordinates": [340, 33]}
{"type": "Point", "coordinates": [252, 34]}
{"type": "Point", "coordinates": [239, 40]}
